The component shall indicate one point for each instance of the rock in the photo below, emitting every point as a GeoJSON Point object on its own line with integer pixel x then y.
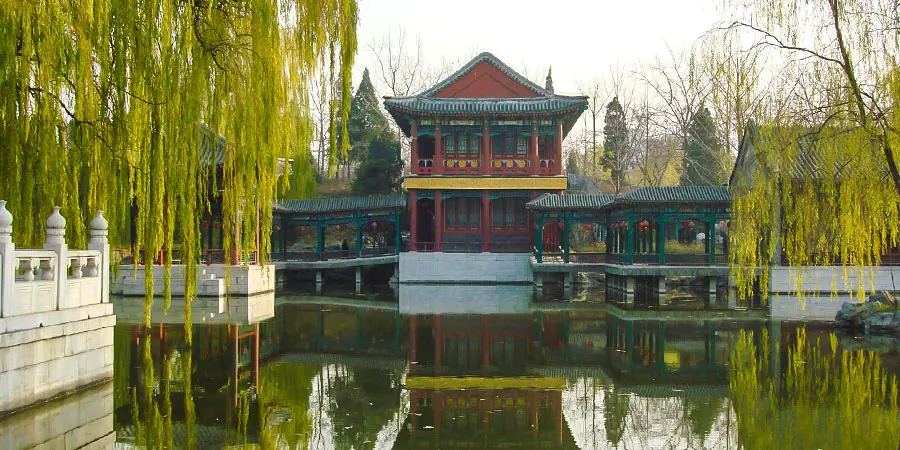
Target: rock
{"type": "Point", "coordinates": [880, 297]}
{"type": "Point", "coordinates": [853, 315]}
{"type": "Point", "coordinates": [883, 323]}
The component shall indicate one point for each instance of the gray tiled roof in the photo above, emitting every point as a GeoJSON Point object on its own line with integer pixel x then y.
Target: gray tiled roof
{"type": "Point", "coordinates": [546, 102]}
{"type": "Point", "coordinates": [677, 194]}
{"type": "Point", "coordinates": [342, 204]}
{"type": "Point", "coordinates": [570, 202]}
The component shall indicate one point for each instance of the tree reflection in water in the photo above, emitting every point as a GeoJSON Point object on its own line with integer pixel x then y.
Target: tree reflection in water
{"type": "Point", "coordinates": [828, 399]}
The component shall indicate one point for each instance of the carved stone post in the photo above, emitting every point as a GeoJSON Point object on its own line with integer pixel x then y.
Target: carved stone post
{"type": "Point", "coordinates": [99, 242]}
{"type": "Point", "coordinates": [7, 258]}
{"type": "Point", "coordinates": [56, 241]}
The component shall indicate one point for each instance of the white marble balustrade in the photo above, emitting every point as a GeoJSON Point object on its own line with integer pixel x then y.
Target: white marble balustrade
{"type": "Point", "coordinates": [53, 278]}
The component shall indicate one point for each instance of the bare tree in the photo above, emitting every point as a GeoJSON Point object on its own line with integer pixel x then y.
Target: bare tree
{"type": "Point", "coordinates": [681, 90]}
{"type": "Point", "coordinates": [402, 70]}
{"type": "Point", "coordinates": [594, 91]}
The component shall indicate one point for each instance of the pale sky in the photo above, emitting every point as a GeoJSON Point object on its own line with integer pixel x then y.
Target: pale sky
{"type": "Point", "coordinates": [580, 39]}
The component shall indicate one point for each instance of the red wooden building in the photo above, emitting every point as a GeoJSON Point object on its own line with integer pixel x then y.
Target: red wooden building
{"type": "Point", "coordinates": [485, 141]}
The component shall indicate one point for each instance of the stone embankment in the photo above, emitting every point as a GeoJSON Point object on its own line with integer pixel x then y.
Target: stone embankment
{"type": "Point", "coordinates": [880, 314]}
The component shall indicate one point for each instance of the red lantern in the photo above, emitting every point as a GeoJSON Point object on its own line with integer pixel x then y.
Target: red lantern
{"type": "Point", "coordinates": [644, 224]}
{"type": "Point", "coordinates": [337, 227]}
{"type": "Point", "coordinates": [374, 225]}
{"type": "Point", "coordinates": [217, 225]}
{"type": "Point", "coordinates": [691, 225]}
{"type": "Point", "coordinates": [560, 225]}
{"type": "Point", "coordinates": [588, 228]}
{"type": "Point", "coordinates": [205, 224]}
{"type": "Point", "coordinates": [277, 228]}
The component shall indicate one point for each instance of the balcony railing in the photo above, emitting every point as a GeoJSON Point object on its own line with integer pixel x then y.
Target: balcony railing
{"type": "Point", "coordinates": [425, 166]}
{"type": "Point", "coordinates": [546, 167]}
{"type": "Point", "coordinates": [510, 166]}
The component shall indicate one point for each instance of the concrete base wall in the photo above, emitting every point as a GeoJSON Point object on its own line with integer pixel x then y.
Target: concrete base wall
{"type": "Point", "coordinates": [83, 420]}
{"type": "Point", "coordinates": [825, 280]}
{"type": "Point", "coordinates": [63, 350]}
{"type": "Point", "coordinates": [212, 280]}
{"type": "Point", "coordinates": [438, 267]}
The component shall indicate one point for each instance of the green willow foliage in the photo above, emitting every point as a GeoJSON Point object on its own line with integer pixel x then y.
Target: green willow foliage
{"type": "Point", "coordinates": [829, 399]}
{"type": "Point", "coordinates": [827, 145]}
{"type": "Point", "coordinates": [102, 101]}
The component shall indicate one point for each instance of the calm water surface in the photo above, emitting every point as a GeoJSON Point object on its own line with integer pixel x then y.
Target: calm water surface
{"type": "Point", "coordinates": [358, 374]}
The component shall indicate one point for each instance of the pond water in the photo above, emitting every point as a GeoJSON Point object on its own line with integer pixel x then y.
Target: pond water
{"type": "Point", "coordinates": [359, 374]}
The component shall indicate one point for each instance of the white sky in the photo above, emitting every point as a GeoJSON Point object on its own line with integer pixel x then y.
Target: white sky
{"type": "Point", "coordinates": [580, 39]}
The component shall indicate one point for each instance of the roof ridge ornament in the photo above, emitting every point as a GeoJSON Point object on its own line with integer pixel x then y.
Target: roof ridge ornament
{"type": "Point", "coordinates": [548, 85]}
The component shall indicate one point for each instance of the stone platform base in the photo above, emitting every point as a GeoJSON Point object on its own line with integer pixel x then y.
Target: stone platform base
{"type": "Point", "coordinates": [439, 267]}
{"type": "Point", "coordinates": [45, 354]}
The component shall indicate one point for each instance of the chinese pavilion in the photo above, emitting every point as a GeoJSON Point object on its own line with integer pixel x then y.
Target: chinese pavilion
{"type": "Point", "coordinates": [485, 141]}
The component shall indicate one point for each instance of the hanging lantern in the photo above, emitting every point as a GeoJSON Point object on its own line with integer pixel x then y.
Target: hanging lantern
{"type": "Point", "coordinates": [588, 228]}
{"type": "Point", "coordinates": [374, 225]}
{"type": "Point", "coordinates": [652, 225]}
{"type": "Point", "coordinates": [205, 224]}
{"type": "Point", "coordinates": [644, 224]}
{"type": "Point", "coordinates": [337, 227]}
{"type": "Point", "coordinates": [277, 228]}
{"type": "Point", "coordinates": [560, 225]}
{"type": "Point", "coordinates": [217, 225]}
{"type": "Point", "coordinates": [690, 224]}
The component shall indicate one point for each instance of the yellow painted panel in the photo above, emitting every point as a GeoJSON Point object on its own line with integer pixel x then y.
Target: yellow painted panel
{"type": "Point", "coordinates": [464, 183]}
{"type": "Point", "coordinates": [455, 383]}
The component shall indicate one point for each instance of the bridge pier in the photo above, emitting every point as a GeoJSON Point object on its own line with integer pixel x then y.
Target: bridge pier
{"type": "Point", "coordinates": [319, 281]}
{"type": "Point", "coordinates": [661, 290]}
{"type": "Point", "coordinates": [713, 290]}
{"type": "Point", "coordinates": [358, 280]}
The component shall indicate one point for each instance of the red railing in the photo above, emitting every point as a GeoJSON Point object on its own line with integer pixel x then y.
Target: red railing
{"type": "Point", "coordinates": [587, 257]}
{"type": "Point", "coordinates": [546, 167]}
{"type": "Point", "coordinates": [425, 166]}
{"type": "Point", "coordinates": [424, 246]}
{"type": "Point", "coordinates": [510, 166]}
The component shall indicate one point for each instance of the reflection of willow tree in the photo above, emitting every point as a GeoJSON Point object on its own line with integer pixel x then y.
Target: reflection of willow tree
{"type": "Point", "coordinates": [701, 414]}
{"type": "Point", "coordinates": [361, 403]}
{"type": "Point", "coordinates": [830, 399]}
{"type": "Point", "coordinates": [151, 398]}
{"type": "Point", "coordinates": [284, 391]}
{"type": "Point", "coordinates": [616, 405]}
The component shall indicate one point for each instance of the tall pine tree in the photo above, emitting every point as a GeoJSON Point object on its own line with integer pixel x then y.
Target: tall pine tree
{"type": "Point", "coordinates": [366, 119]}
{"type": "Point", "coordinates": [373, 143]}
{"type": "Point", "coordinates": [615, 144]}
{"type": "Point", "coordinates": [703, 154]}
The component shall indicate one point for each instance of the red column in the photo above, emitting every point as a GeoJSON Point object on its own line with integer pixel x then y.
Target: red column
{"type": "Point", "coordinates": [413, 219]}
{"type": "Point", "coordinates": [485, 149]}
{"type": "Point", "coordinates": [438, 345]}
{"type": "Point", "coordinates": [412, 343]}
{"type": "Point", "coordinates": [438, 150]}
{"type": "Point", "coordinates": [535, 158]}
{"type": "Point", "coordinates": [414, 147]}
{"type": "Point", "coordinates": [486, 221]}
{"type": "Point", "coordinates": [557, 152]}
{"type": "Point", "coordinates": [438, 221]}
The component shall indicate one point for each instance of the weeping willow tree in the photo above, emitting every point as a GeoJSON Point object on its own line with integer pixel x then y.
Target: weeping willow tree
{"type": "Point", "coordinates": [827, 146]}
{"type": "Point", "coordinates": [102, 101]}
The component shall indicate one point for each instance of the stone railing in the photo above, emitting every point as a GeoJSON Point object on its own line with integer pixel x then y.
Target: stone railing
{"type": "Point", "coordinates": [53, 278]}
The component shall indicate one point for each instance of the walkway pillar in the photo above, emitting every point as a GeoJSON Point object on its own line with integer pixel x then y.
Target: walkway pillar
{"type": "Point", "coordinates": [320, 240]}
{"type": "Point", "coordinates": [661, 241]}
{"type": "Point", "coordinates": [358, 280]}
{"type": "Point", "coordinates": [533, 156]}
{"type": "Point", "coordinates": [319, 281]}
{"type": "Point", "coordinates": [539, 238]}
{"type": "Point", "coordinates": [629, 243]}
{"type": "Point", "coordinates": [359, 237]}
{"type": "Point", "coordinates": [566, 225]}
{"type": "Point", "coordinates": [629, 290]}
{"type": "Point", "coordinates": [397, 238]}
{"type": "Point", "coordinates": [413, 220]}
{"type": "Point", "coordinates": [438, 220]}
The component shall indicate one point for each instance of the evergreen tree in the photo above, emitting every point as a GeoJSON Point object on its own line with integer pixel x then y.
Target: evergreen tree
{"type": "Point", "coordinates": [703, 153]}
{"type": "Point", "coordinates": [382, 168]}
{"type": "Point", "coordinates": [615, 144]}
{"type": "Point", "coordinates": [366, 120]}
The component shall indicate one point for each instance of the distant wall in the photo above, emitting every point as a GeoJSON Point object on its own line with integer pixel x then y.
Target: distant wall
{"type": "Point", "coordinates": [824, 289]}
